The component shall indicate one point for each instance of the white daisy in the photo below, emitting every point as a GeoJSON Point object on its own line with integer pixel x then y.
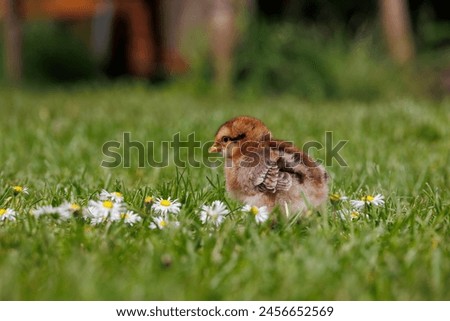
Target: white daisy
{"type": "Point", "coordinates": [161, 222]}
{"type": "Point", "coordinates": [114, 196]}
{"type": "Point", "coordinates": [376, 200]}
{"type": "Point", "coordinates": [164, 206]}
{"type": "Point", "coordinates": [261, 213]}
{"type": "Point", "coordinates": [44, 210]}
{"type": "Point", "coordinates": [130, 217]}
{"type": "Point", "coordinates": [20, 190]}
{"type": "Point", "coordinates": [67, 209]}
{"type": "Point", "coordinates": [346, 214]}
{"type": "Point", "coordinates": [336, 197]}
{"type": "Point", "coordinates": [101, 211]}
{"type": "Point", "coordinates": [215, 213]}
{"type": "Point", "coordinates": [7, 214]}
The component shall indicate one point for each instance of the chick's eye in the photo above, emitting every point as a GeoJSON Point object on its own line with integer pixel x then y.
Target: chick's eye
{"type": "Point", "coordinates": [226, 139]}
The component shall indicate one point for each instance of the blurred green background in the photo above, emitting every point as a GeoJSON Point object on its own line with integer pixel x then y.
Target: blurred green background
{"type": "Point", "coordinates": [314, 50]}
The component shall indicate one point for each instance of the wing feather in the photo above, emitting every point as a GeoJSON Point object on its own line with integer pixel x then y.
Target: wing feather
{"type": "Point", "coordinates": [267, 176]}
{"type": "Point", "coordinates": [279, 163]}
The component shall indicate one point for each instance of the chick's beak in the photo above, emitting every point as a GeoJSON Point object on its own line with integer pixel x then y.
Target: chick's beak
{"type": "Point", "coordinates": [216, 148]}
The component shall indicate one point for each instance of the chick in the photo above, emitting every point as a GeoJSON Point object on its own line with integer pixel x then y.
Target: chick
{"type": "Point", "coordinates": [262, 171]}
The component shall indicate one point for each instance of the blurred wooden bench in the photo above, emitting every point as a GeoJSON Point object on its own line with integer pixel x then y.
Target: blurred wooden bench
{"type": "Point", "coordinates": [14, 12]}
{"type": "Point", "coordinates": [141, 52]}
{"type": "Point", "coordinates": [56, 9]}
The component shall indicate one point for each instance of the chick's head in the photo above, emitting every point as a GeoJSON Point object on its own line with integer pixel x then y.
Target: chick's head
{"type": "Point", "coordinates": [237, 132]}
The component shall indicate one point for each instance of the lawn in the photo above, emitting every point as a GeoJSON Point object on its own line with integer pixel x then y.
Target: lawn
{"type": "Point", "coordinates": [52, 143]}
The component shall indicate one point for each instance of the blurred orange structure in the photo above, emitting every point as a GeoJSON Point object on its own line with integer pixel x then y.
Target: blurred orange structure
{"type": "Point", "coordinates": [143, 52]}
{"type": "Point", "coordinates": [56, 9]}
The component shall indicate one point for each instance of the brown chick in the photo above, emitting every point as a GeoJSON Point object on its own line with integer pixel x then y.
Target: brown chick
{"type": "Point", "coordinates": [262, 171]}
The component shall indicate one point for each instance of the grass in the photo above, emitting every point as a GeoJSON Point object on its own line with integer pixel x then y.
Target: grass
{"type": "Point", "coordinates": [52, 141]}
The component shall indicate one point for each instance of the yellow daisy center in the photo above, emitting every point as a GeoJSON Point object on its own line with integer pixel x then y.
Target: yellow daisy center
{"type": "Point", "coordinates": [368, 198]}
{"type": "Point", "coordinates": [148, 199]}
{"type": "Point", "coordinates": [335, 197]}
{"type": "Point", "coordinates": [2, 211]}
{"type": "Point", "coordinates": [118, 194]}
{"type": "Point", "coordinates": [75, 207]}
{"type": "Point", "coordinates": [354, 214]}
{"type": "Point", "coordinates": [254, 210]}
{"type": "Point", "coordinates": [163, 223]}
{"type": "Point", "coordinates": [18, 189]}
{"type": "Point", "coordinates": [108, 204]}
{"type": "Point", "coordinates": [166, 203]}
{"type": "Point", "coordinates": [123, 215]}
